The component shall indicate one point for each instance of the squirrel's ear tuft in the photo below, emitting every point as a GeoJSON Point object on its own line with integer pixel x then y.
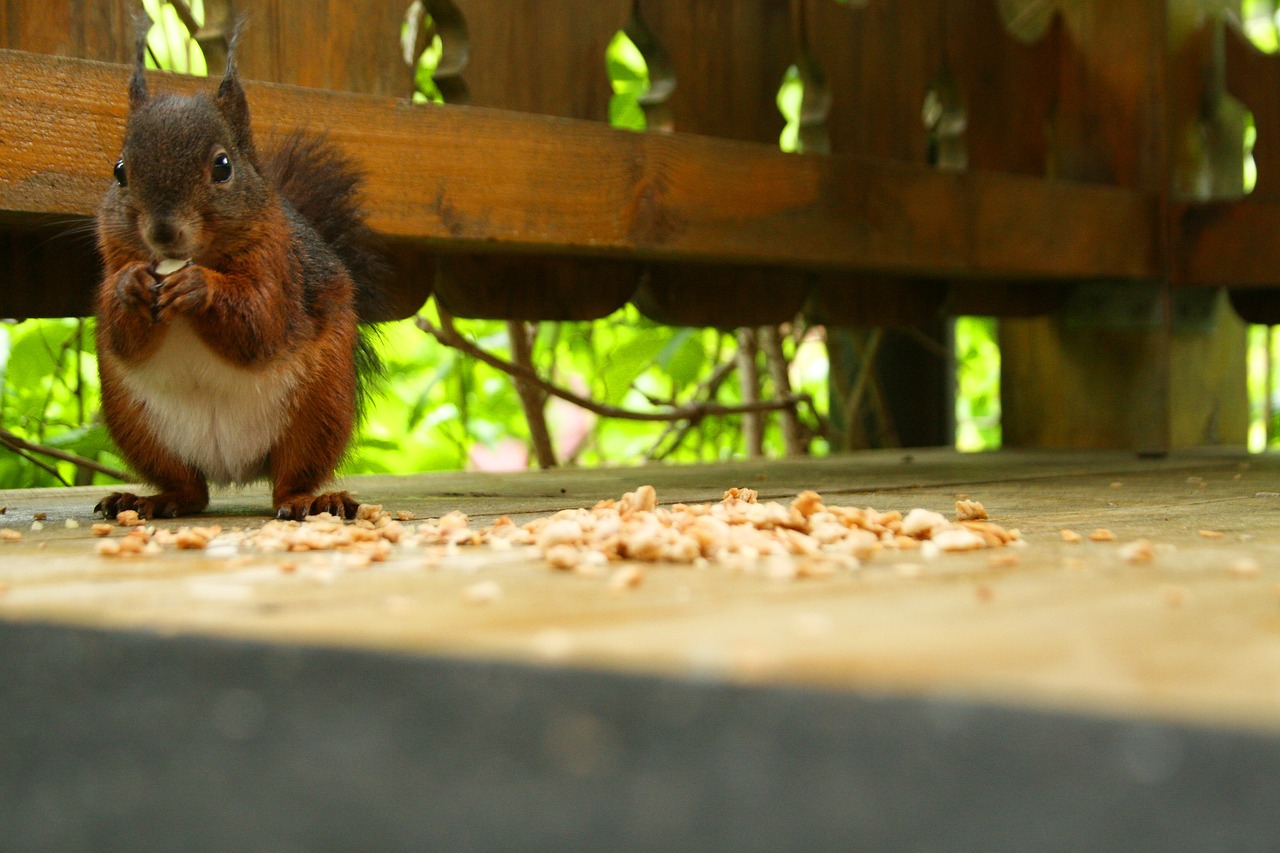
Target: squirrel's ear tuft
{"type": "Point", "coordinates": [231, 100]}
{"type": "Point", "coordinates": [138, 82]}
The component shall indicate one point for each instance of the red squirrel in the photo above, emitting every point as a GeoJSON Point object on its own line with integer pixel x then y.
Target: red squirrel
{"type": "Point", "coordinates": [229, 345]}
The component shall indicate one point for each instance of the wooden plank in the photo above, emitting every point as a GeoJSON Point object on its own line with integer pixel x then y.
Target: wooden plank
{"type": "Point", "coordinates": [88, 29]}
{"type": "Point", "coordinates": [1225, 244]}
{"type": "Point", "coordinates": [342, 45]}
{"type": "Point", "coordinates": [1189, 635]}
{"type": "Point", "coordinates": [728, 59]}
{"type": "Point", "coordinates": [535, 57]}
{"type": "Point", "coordinates": [492, 180]}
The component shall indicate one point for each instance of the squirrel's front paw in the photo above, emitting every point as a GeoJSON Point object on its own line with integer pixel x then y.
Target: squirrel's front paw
{"type": "Point", "coordinates": [135, 288]}
{"type": "Point", "coordinates": [183, 292]}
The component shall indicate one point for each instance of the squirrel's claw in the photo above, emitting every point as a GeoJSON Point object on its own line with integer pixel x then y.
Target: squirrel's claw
{"type": "Point", "coordinates": [298, 507]}
{"type": "Point", "coordinates": [183, 292]}
{"type": "Point", "coordinates": [163, 505]}
{"type": "Point", "coordinates": [135, 289]}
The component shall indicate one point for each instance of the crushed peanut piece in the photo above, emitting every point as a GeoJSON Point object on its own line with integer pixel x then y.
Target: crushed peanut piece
{"type": "Point", "coordinates": [627, 577]}
{"type": "Point", "coordinates": [1212, 534]}
{"type": "Point", "coordinates": [1102, 535]}
{"type": "Point", "coordinates": [9, 535]}
{"type": "Point", "coordinates": [1138, 551]}
{"type": "Point", "coordinates": [102, 529]}
{"type": "Point", "coordinates": [128, 518]}
{"type": "Point", "coordinates": [1070, 536]}
{"type": "Point", "coordinates": [967, 510]}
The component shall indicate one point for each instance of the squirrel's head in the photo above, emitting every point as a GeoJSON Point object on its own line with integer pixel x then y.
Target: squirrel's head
{"type": "Point", "coordinates": [187, 184]}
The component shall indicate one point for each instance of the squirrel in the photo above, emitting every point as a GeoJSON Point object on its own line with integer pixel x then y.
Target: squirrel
{"type": "Point", "coordinates": [229, 337]}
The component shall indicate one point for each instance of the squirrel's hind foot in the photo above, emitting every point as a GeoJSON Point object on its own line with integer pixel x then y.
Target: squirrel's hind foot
{"type": "Point", "coordinates": [298, 507]}
{"type": "Point", "coordinates": [163, 505]}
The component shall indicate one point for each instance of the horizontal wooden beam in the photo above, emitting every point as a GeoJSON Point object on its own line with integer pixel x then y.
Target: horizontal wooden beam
{"type": "Point", "coordinates": [469, 179]}
{"type": "Point", "coordinates": [1229, 244]}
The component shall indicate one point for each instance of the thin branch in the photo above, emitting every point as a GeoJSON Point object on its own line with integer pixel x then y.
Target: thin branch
{"type": "Point", "coordinates": [532, 399]}
{"type": "Point", "coordinates": [779, 369]}
{"type": "Point", "coordinates": [749, 382]}
{"type": "Point", "coordinates": [41, 464]}
{"type": "Point", "coordinates": [448, 335]}
{"type": "Point", "coordinates": [678, 431]}
{"type": "Point", "coordinates": [23, 447]}
{"type": "Point", "coordinates": [853, 402]}
{"type": "Point", "coordinates": [927, 343]}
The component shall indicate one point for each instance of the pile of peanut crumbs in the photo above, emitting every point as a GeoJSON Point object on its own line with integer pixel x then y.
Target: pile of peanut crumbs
{"type": "Point", "coordinates": [803, 538]}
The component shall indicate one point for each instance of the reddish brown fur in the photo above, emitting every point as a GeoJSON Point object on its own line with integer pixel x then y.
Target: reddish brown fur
{"type": "Point", "coordinates": [263, 288]}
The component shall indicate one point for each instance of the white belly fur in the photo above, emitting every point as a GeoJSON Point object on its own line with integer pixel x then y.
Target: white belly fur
{"type": "Point", "coordinates": [218, 417]}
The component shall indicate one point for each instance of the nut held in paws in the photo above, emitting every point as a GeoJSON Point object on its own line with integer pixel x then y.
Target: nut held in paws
{"type": "Point", "coordinates": [169, 266]}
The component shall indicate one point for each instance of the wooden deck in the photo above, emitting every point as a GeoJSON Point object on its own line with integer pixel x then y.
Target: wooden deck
{"type": "Point", "coordinates": [1071, 701]}
{"type": "Point", "coordinates": [1191, 635]}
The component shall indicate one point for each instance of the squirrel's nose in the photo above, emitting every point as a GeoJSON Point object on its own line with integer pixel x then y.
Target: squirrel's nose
{"type": "Point", "coordinates": [165, 233]}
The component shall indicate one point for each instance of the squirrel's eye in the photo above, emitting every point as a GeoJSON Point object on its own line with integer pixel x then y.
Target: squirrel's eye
{"type": "Point", "coordinates": [121, 178]}
{"type": "Point", "coordinates": [221, 171]}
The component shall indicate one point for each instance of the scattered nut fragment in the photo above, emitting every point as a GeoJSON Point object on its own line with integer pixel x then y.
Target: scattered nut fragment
{"type": "Point", "coordinates": [1004, 560]}
{"type": "Point", "coordinates": [195, 538]}
{"type": "Point", "coordinates": [1212, 534]}
{"type": "Point", "coordinates": [1117, 485]}
{"type": "Point", "coordinates": [101, 529]}
{"type": "Point", "coordinates": [71, 524]}
{"type": "Point", "coordinates": [128, 518]}
{"type": "Point", "coordinates": [563, 556]}
{"type": "Point", "coordinates": [1070, 536]}
{"type": "Point", "coordinates": [1102, 535]}
{"type": "Point", "coordinates": [108, 547]}
{"type": "Point", "coordinates": [1138, 551]}
{"type": "Point", "coordinates": [921, 523]}
{"type": "Point", "coordinates": [405, 515]}
{"type": "Point", "coordinates": [967, 510]}
{"type": "Point", "coordinates": [368, 512]}
{"type": "Point", "coordinates": [9, 535]}
{"type": "Point", "coordinates": [39, 516]}
{"type": "Point", "coordinates": [627, 577]}
{"type": "Point", "coordinates": [37, 525]}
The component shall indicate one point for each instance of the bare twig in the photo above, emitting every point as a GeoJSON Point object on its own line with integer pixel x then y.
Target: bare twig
{"type": "Point", "coordinates": [927, 343]}
{"type": "Point", "coordinates": [39, 463]}
{"type": "Point", "coordinates": [678, 431]}
{"type": "Point", "coordinates": [23, 448]}
{"type": "Point", "coordinates": [853, 402]}
{"type": "Point", "coordinates": [448, 335]}
{"type": "Point", "coordinates": [771, 345]}
{"type": "Point", "coordinates": [749, 382]}
{"type": "Point", "coordinates": [531, 398]}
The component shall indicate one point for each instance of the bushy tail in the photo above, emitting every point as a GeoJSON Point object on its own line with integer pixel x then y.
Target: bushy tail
{"type": "Point", "coordinates": [323, 185]}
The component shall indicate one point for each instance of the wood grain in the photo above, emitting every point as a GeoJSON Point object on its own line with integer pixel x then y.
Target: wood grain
{"type": "Point", "coordinates": [1189, 635]}
{"type": "Point", "coordinates": [467, 178]}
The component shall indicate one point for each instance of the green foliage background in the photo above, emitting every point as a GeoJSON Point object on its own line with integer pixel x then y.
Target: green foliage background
{"type": "Point", "coordinates": [438, 406]}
